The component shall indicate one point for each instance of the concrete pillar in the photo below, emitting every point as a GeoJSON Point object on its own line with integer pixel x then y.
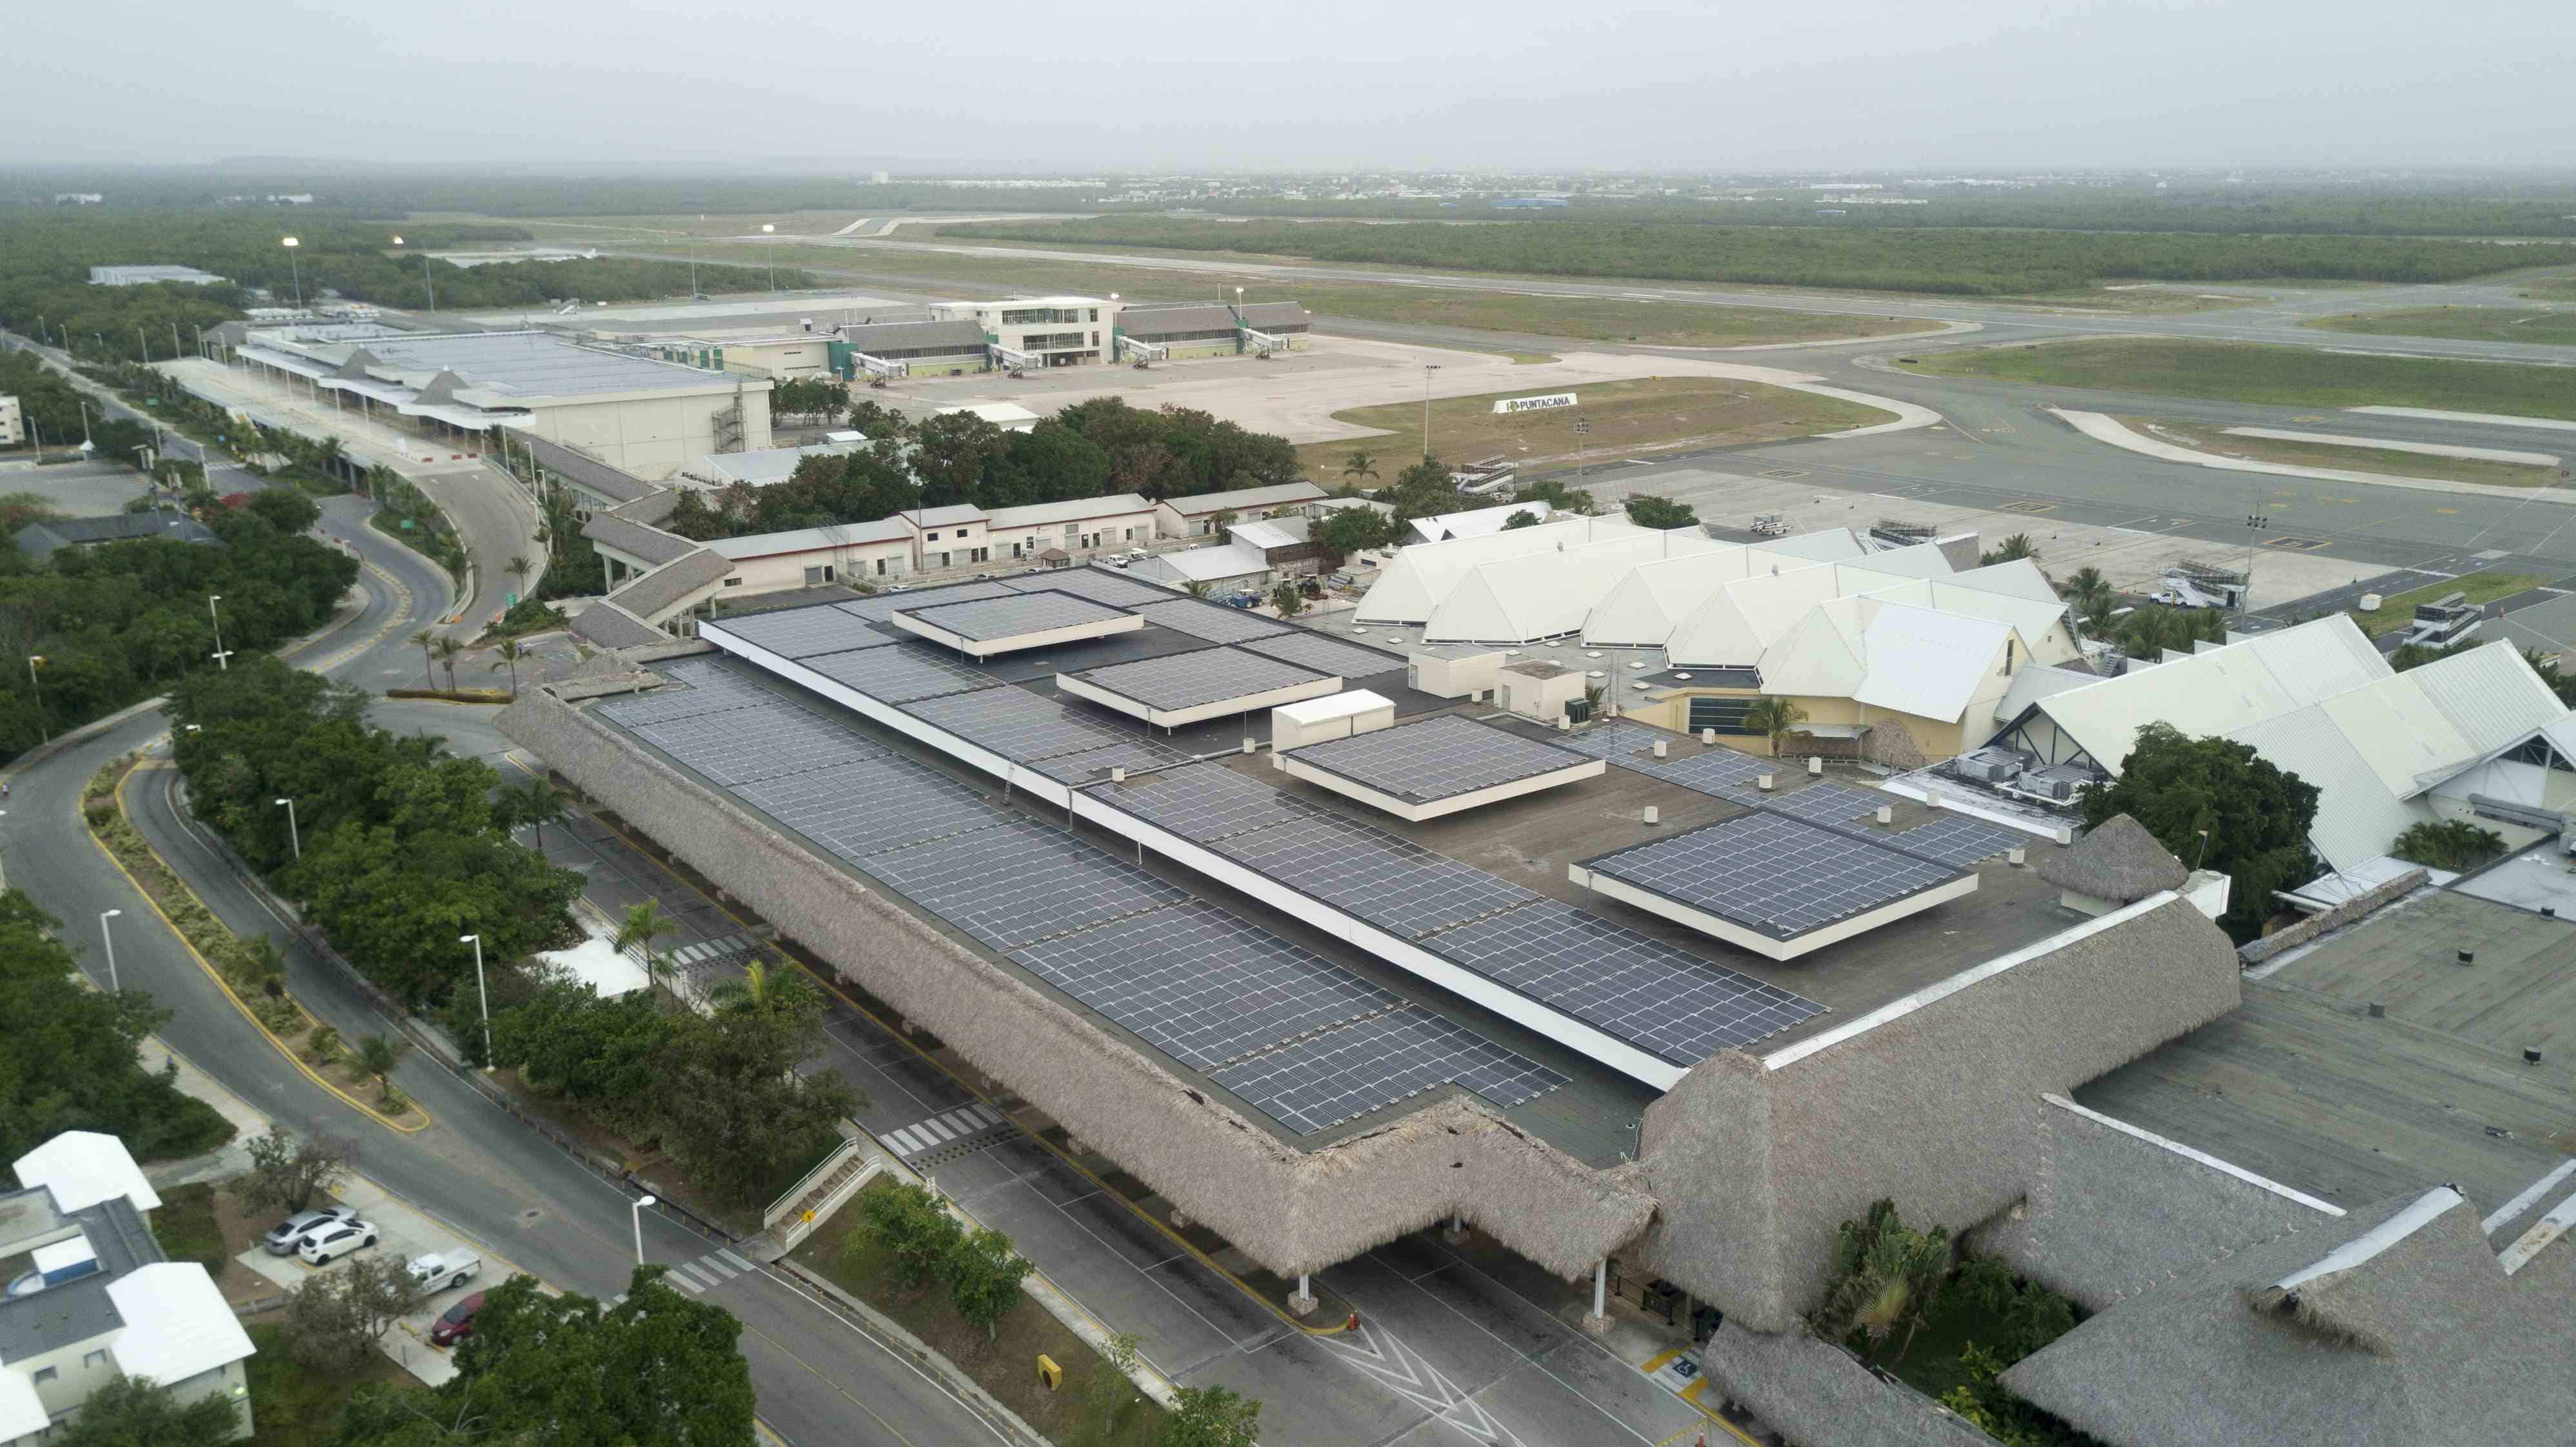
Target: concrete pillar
{"type": "Point", "coordinates": [1599, 1318]}
{"type": "Point", "coordinates": [1304, 1301]}
{"type": "Point", "coordinates": [1180, 1222]}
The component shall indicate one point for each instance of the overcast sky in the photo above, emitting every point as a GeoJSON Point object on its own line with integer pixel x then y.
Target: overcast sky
{"type": "Point", "coordinates": [1306, 84]}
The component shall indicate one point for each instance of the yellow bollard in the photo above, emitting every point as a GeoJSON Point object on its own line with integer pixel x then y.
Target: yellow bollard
{"type": "Point", "coordinates": [1050, 1376]}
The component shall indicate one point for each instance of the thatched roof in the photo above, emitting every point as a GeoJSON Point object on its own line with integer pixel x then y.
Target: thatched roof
{"type": "Point", "coordinates": [1818, 1396]}
{"type": "Point", "coordinates": [2118, 861]}
{"type": "Point", "coordinates": [2398, 1326]}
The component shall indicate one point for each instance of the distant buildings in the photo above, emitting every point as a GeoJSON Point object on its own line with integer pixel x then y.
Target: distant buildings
{"type": "Point", "coordinates": [148, 275]}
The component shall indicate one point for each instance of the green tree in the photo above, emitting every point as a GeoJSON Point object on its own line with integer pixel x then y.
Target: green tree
{"type": "Point", "coordinates": [1774, 719]}
{"type": "Point", "coordinates": [510, 652]}
{"type": "Point", "coordinates": [290, 1170]}
{"type": "Point", "coordinates": [949, 454]}
{"type": "Point", "coordinates": [1353, 530]}
{"type": "Point", "coordinates": [1555, 494]}
{"type": "Point", "coordinates": [380, 1056]}
{"type": "Point", "coordinates": [286, 509]}
{"type": "Point", "coordinates": [1111, 1388]}
{"type": "Point", "coordinates": [732, 1106]}
{"type": "Point", "coordinates": [138, 1412]}
{"type": "Point", "coordinates": [334, 1319]}
{"type": "Point", "coordinates": [911, 1227]}
{"type": "Point", "coordinates": [566, 1037]}
{"type": "Point", "coordinates": [532, 804]}
{"type": "Point", "coordinates": [1360, 463]}
{"type": "Point", "coordinates": [1521, 519]}
{"type": "Point", "coordinates": [2254, 814]}
{"type": "Point", "coordinates": [1884, 1276]}
{"type": "Point", "coordinates": [1210, 1417]}
{"type": "Point", "coordinates": [518, 568]}
{"type": "Point", "coordinates": [427, 638]}
{"type": "Point", "coordinates": [1424, 489]}
{"type": "Point", "coordinates": [983, 1278]}
{"type": "Point", "coordinates": [448, 651]}
{"type": "Point", "coordinates": [2453, 844]}
{"type": "Point", "coordinates": [2018, 545]}
{"type": "Point", "coordinates": [642, 924]}
{"type": "Point", "coordinates": [1287, 600]}
{"type": "Point", "coordinates": [1661, 513]}
{"type": "Point", "coordinates": [2085, 584]}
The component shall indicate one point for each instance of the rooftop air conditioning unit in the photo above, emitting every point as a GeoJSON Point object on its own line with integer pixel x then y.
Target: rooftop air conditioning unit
{"type": "Point", "coordinates": [1994, 765]}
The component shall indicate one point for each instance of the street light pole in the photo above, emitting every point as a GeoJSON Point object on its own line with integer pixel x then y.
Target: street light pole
{"type": "Point", "coordinates": [292, 269]}
{"type": "Point", "coordinates": [2254, 523]}
{"type": "Point", "coordinates": [110, 938]}
{"type": "Point", "coordinates": [767, 229]}
{"type": "Point", "coordinates": [640, 1203]}
{"type": "Point", "coordinates": [477, 942]}
{"type": "Point", "coordinates": [4, 861]}
{"type": "Point", "coordinates": [294, 835]}
{"type": "Point", "coordinates": [144, 347]}
{"type": "Point", "coordinates": [222, 657]}
{"type": "Point", "coordinates": [1427, 369]}
{"type": "Point", "coordinates": [34, 661]}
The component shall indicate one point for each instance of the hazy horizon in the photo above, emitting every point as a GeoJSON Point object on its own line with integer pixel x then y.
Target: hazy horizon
{"type": "Point", "coordinates": [1156, 86]}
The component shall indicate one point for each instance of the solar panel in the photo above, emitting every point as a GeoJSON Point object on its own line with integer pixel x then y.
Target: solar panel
{"type": "Point", "coordinates": [1202, 985]}
{"type": "Point", "coordinates": [1094, 584]}
{"type": "Point", "coordinates": [1197, 678]}
{"type": "Point", "coordinates": [1018, 725]}
{"type": "Point", "coordinates": [703, 690]}
{"type": "Point", "coordinates": [880, 607]}
{"type": "Point", "coordinates": [1689, 763]}
{"type": "Point", "coordinates": [1343, 1074]}
{"type": "Point", "coordinates": [740, 746]}
{"type": "Point", "coordinates": [799, 632]}
{"type": "Point", "coordinates": [1135, 755]}
{"type": "Point", "coordinates": [1779, 876]}
{"type": "Point", "coordinates": [1957, 840]}
{"type": "Point", "coordinates": [1020, 883]}
{"type": "Point", "coordinates": [1816, 803]}
{"type": "Point", "coordinates": [1390, 882]}
{"type": "Point", "coordinates": [1204, 803]}
{"type": "Point", "coordinates": [868, 806]}
{"type": "Point", "coordinates": [1436, 758]}
{"type": "Point", "coordinates": [1326, 655]}
{"type": "Point", "coordinates": [1011, 615]}
{"type": "Point", "coordinates": [1632, 987]}
{"type": "Point", "coordinates": [901, 674]}
{"type": "Point", "coordinates": [1212, 621]}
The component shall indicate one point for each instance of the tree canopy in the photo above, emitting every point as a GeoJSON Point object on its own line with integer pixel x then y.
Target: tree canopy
{"type": "Point", "coordinates": [2256, 815]}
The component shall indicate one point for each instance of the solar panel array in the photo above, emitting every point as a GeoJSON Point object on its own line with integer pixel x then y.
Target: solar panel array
{"type": "Point", "coordinates": [1206, 803]}
{"type": "Point", "coordinates": [802, 632]}
{"type": "Point", "coordinates": [1436, 758]}
{"type": "Point", "coordinates": [1152, 975]}
{"type": "Point", "coordinates": [1212, 621]}
{"type": "Point", "coordinates": [1816, 803]}
{"type": "Point", "coordinates": [880, 607]}
{"type": "Point", "coordinates": [741, 746]}
{"type": "Point", "coordinates": [900, 674]}
{"type": "Point", "coordinates": [1633, 987]}
{"type": "Point", "coordinates": [1198, 678]}
{"type": "Point", "coordinates": [1957, 840]}
{"type": "Point", "coordinates": [1389, 882]}
{"type": "Point", "coordinates": [1780, 876]}
{"type": "Point", "coordinates": [1339, 1076]}
{"type": "Point", "coordinates": [1690, 764]}
{"type": "Point", "coordinates": [1135, 756]}
{"type": "Point", "coordinates": [705, 689]}
{"type": "Point", "coordinates": [870, 805]}
{"type": "Point", "coordinates": [1326, 655]}
{"type": "Point", "coordinates": [1018, 725]}
{"type": "Point", "coordinates": [1020, 883]}
{"type": "Point", "coordinates": [1095, 584]}
{"type": "Point", "coordinates": [1011, 615]}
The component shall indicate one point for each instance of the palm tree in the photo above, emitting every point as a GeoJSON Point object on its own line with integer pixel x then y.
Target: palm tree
{"type": "Point", "coordinates": [643, 924]}
{"type": "Point", "coordinates": [427, 638]}
{"type": "Point", "coordinates": [1359, 464]}
{"type": "Point", "coordinates": [1774, 719]}
{"type": "Point", "coordinates": [448, 651]}
{"type": "Point", "coordinates": [1196, 587]}
{"type": "Point", "coordinates": [534, 804]}
{"type": "Point", "coordinates": [1287, 600]}
{"type": "Point", "coordinates": [1884, 1276]}
{"type": "Point", "coordinates": [2095, 614]}
{"type": "Point", "coordinates": [2085, 582]}
{"type": "Point", "coordinates": [2018, 545]}
{"type": "Point", "coordinates": [518, 568]}
{"type": "Point", "coordinates": [749, 995]}
{"type": "Point", "coordinates": [511, 651]}
{"type": "Point", "coordinates": [378, 1056]}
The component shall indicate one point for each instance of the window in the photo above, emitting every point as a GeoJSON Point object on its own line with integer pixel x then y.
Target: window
{"type": "Point", "coordinates": [46, 1374]}
{"type": "Point", "coordinates": [978, 555]}
{"type": "Point", "coordinates": [95, 1359]}
{"type": "Point", "coordinates": [1726, 715]}
{"type": "Point", "coordinates": [934, 537]}
{"type": "Point", "coordinates": [881, 567]}
{"type": "Point", "coordinates": [734, 581]}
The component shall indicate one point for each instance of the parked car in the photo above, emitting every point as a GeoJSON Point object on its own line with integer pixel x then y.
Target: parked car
{"type": "Point", "coordinates": [440, 1270]}
{"type": "Point", "coordinates": [456, 1323]}
{"type": "Point", "coordinates": [286, 1235]}
{"type": "Point", "coordinates": [329, 1244]}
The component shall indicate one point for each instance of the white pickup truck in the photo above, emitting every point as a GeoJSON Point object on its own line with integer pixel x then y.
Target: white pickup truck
{"type": "Point", "coordinates": [440, 1270]}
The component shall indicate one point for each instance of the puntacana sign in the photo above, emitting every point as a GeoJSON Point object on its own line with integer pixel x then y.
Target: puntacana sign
{"type": "Point", "coordinates": [1533, 404]}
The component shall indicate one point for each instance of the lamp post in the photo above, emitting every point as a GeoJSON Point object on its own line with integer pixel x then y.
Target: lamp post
{"type": "Point", "coordinates": [104, 934]}
{"type": "Point", "coordinates": [1427, 369]}
{"type": "Point", "coordinates": [4, 860]}
{"type": "Point", "coordinates": [290, 243]}
{"type": "Point", "coordinates": [294, 835]}
{"type": "Point", "coordinates": [34, 662]}
{"type": "Point", "coordinates": [85, 442]}
{"type": "Point", "coordinates": [222, 656]}
{"type": "Point", "coordinates": [766, 229]}
{"type": "Point", "coordinates": [2254, 523]}
{"type": "Point", "coordinates": [640, 1203]}
{"type": "Point", "coordinates": [477, 942]}
{"type": "Point", "coordinates": [142, 346]}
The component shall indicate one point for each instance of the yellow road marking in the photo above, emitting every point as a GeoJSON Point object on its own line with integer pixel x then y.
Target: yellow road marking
{"type": "Point", "coordinates": [1660, 1361]}
{"type": "Point", "coordinates": [827, 1381]}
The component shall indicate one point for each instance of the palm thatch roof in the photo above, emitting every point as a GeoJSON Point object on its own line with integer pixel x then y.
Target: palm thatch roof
{"type": "Point", "coordinates": [2118, 861]}
{"type": "Point", "coordinates": [1817, 1395]}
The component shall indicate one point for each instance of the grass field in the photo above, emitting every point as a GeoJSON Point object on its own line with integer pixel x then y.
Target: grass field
{"type": "Point", "coordinates": [1626, 417]}
{"type": "Point", "coordinates": [2217, 439]}
{"type": "Point", "coordinates": [2398, 609]}
{"type": "Point", "coordinates": [2469, 323]}
{"type": "Point", "coordinates": [295, 1406]}
{"type": "Point", "coordinates": [2552, 288]}
{"type": "Point", "coordinates": [2274, 376]}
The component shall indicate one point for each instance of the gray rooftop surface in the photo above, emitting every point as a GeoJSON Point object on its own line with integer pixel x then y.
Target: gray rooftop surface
{"type": "Point", "coordinates": [530, 364]}
{"type": "Point", "coordinates": [983, 620]}
{"type": "Point", "coordinates": [1438, 757]}
{"type": "Point", "coordinates": [1192, 680]}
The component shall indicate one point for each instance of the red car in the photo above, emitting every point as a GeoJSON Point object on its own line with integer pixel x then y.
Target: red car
{"type": "Point", "coordinates": [458, 1322]}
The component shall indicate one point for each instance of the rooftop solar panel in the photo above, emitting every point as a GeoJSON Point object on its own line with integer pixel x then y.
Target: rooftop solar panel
{"type": "Point", "coordinates": [879, 607]}
{"type": "Point", "coordinates": [1816, 803]}
{"type": "Point", "coordinates": [901, 674]}
{"type": "Point", "coordinates": [702, 689]}
{"type": "Point", "coordinates": [1092, 583]}
{"type": "Point", "coordinates": [1343, 1074]}
{"type": "Point", "coordinates": [1198, 678]}
{"type": "Point", "coordinates": [1020, 883]}
{"type": "Point", "coordinates": [1778, 876]}
{"type": "Point", "coordinates": [1436, 758]}
{"type": "Point", "coordinates": [1135, 756]}
{"type": "Point", "coordinates": [1957, 840]}
{"type": "Point", "coordinates": [1212, 621]}
{"type": "Point", "coordinates": [1019, 725]}
{"type": "Point", "coordinates": [1204, 803]}
{"type": "Point", "coordinates": [1632, 987]}
{"type": "Point", "coordinates": [740, 746]}
{"type": "Point", "coordinates": [1688, 762]}
{"type": "Point", "coordinates": [1011, 615]}
{"type": "Point", "coordinates": [801, 632]}
{"type": "Point", "coordinates": [868, 806]}
{"type": "Point", "coordinates": [1390, 882]}
{"type": "Point", "coordinates": [1326, 655]}
{"type": "Point", "coordinates": [1202, 985]}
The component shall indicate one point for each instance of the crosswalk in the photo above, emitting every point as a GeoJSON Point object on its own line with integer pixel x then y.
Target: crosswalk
{"type": "Point", "coordinates": [966, 1125]}
{"type": "Point", "coordinates": [713, 1269]}
{"type": "Point", "coordinates": [707, 952]}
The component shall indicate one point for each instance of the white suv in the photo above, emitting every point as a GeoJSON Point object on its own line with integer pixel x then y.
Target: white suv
{"type": "Point", "coordinates": [325, 1246]}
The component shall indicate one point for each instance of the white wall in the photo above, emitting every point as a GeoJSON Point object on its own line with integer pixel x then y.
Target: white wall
{"type": "Point", "coordinates": [653, 437]}
{"type": "Point", "coordinates": [870, 563]}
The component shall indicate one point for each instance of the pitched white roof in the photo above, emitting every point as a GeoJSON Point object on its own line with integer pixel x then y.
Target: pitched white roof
{"type": "Point", "coordinates": [21, 1413]}
{"type": "Point", "coordinates": [1243, 497]}
{"type": "Point", "coordinates": [1550, 594]}
{"type": "Point", "coordinates": [2032, 684]}
{"type": "Point", "coordinates": [1480, 522]}
{"type": "Point", "coordinates": [810, 540]}
{"type": "Point", "coordinates": [1831, 545]}
{"type": "Point", "coordinates": [1209, 565]}
{"type": "Point", "coordinates": [1263, 535]}
{"type": "Point", "coordinates": [2358, 815]}
{"type": "Point", "coordinates": [2222, 691]}
{"type": "Point", "coordinates": [1415, 583]}
{"type": "Point", "coordinates": [1000, 414]}
{"type": "Point", "coordinates": [1820, 655]}
{"type": "Point", "coordinates": [2019, 578]}
{"type": "Point", "coordinates": [1925, 663]}
{"type": "Point", "coordinates": [1919, 560]}
{"type": "Point", "coordinates": [1743, 618]}
{"type": "Point", "coordinates": [1642, 609]}
{"type": "Point", "coordinates": [1072, 510]}
{"type": "Point", "coordinates": [177, 1323]}
{"type": "Point", "coordinates": [83, 1168]}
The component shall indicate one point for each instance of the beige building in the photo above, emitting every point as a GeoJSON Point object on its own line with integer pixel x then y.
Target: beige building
{"type": "Point", "coordinates": [1196, 517]}
{"type": "Point", "coordinates": [13, 422]}
{"type": "Point", "coordinates": [1040, 331]}
{"type": "Point", "coordinates": [787, 356]}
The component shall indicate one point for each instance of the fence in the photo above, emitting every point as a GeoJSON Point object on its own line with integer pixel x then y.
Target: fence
{"type": "Point", "coordinates": [788, 1200]}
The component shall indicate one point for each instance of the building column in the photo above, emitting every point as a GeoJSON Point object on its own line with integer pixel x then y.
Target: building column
{"type": "Point", "coordinates": [1304, 1301]}
{"type": "Point", "coordinates": [1599, 1319]}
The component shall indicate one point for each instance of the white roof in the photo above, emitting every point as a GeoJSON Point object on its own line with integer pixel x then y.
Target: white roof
{"type": "Point", "coordinates": [176, 1323]}
{"type": "Point", "coordinates": [1550, 594]}
{"type": "Point", "coordinates": [1243, 497]}
{"type": "Point", "coordinates": [1831, 545]}
{"type": "Point", "coordinates": [813, 540]}
{"type": "Point", "coordinates": [1072, 510]}
{"type": "Point", "coordinates": [1333, 706]}
{"type": "Point", "coordinates": [934, 517]}
{"type": "Point", "coordinates": [1000, 414]}
{"type": "Point", "coordinates": [1475, 522]}
{"type": "Point", "coordinates": [1743, 618]}
{"type": "Point", "coordinates": [2036, 682]}
{"type": "Point", "coordinates": [2358, 815]}
{"type": "Point", "coordinates": [21, 1414]}
{"type": "Point", "coordinates": [1419, 578]}
{"type": "Point", "coordinates": [83, 1168]}
{"type": "Point", "coordinates": [1925, 663]}
{"type": "Point", "coordinates": [2222, 691]}
{"type": "Point", "coordinates": [769, 464]}
{"type": "Point", "coordinates": [1264, 535]}
{"type": "Point", "coordinates": [1820, 656]}
{"type": "Point", "coordinates": [1917, 560]}
{"type": "Point", "coordinates": [2017, 577]}
{"type": "Point", "coordinates": [1209, 565]}
{"type": "Point", "coordinates": [1642, 609]}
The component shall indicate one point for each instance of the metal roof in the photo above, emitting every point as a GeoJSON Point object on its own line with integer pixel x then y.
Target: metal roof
{"type": "Point", "coordinates": [83, 1168]}
{"type": "Point", "coordinates": [635, 539]}
{"type": "Point", "coordinates": [809, 540]}
{"type": "Point", "coordinates": [659, 592]}
{"type": "Point", "coordinates": [1079, 509]}
{"type": "Point", "coordinates": [177, 1324]}
{"type": "Point", "coordinates": [1241, 498]}
{"type": "Point", "coordinates": [585, 471]}
{"type": "Point", "coordinates": [518, 364]}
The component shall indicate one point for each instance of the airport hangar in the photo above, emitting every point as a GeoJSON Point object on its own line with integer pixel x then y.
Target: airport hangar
{"type": "Point", "coordinates": [1315, 1023]}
